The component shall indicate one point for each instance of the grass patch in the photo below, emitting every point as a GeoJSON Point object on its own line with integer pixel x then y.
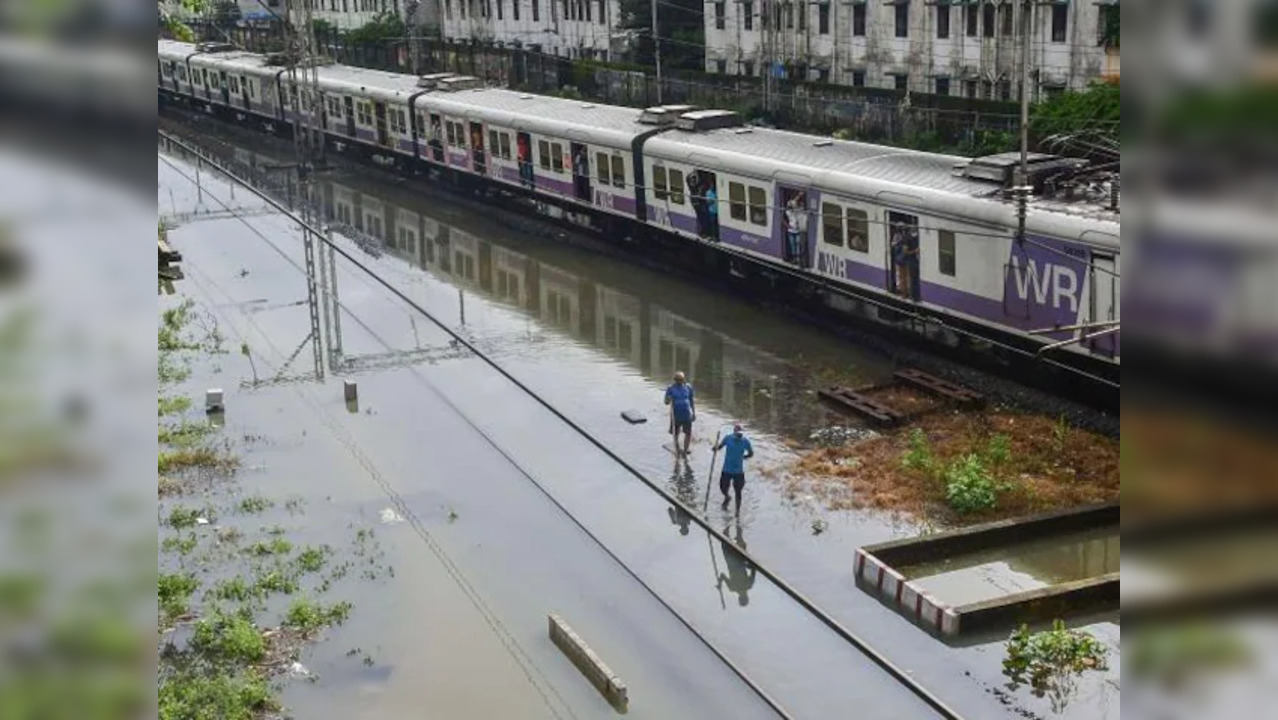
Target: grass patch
{"type": "Point", "coordinates": [312, 559]}
{"type": "Point", "coordinates": [182, 517]}
{"type": "Point", "coordinates": [308, 616]}
{"type": "Point", "coordinates": [276, 546]}
{"type": "Point", "coordinates": [184, 435]}
{"type": "Point", "coordinates": [276, 580]}
{"type": "Point", "coordinates": [182, 545]}
{"type": "Point", "coordinates": [202, 457]}
{"type": "Point", "coordinates": [167, 486]}
{"type": "Point", "coordinates": [236, 590]}
{"type": "Point", "coordinates": [175, 590]}
{"type": "Point", "coordinates": [255, 504]}
{"type": "Point", "coordinates": [216, 695]}
{"type": "Point", "coordinates": [174, 405]}
{"type": "Point", "coordinates": [228, 638]}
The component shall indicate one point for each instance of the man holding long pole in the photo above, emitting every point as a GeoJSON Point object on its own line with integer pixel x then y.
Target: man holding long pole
{"type": "Point", "coordinates": [736, 450]}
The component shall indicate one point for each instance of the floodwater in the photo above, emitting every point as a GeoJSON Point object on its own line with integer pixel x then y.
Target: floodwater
{"type": "Point", "coordinates": [490, 475]}
{"type": "Point", "coordinates": [996, 572]}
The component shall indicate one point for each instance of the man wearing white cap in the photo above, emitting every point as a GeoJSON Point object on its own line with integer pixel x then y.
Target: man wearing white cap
{"type": "Point", "coordinates": [736, 450]}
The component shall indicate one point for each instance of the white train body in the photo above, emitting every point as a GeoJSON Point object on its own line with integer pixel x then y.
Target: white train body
{"type": "Point", "coordinates": [962, 259]}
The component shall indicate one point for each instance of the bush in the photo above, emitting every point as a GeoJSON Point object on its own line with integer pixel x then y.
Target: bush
{"type": "Point", "coordinates": [174, 590]}
{"type": "Point", "coordinates": [229, 637]}
{"type": "Point", "coordinates": [1049, 660]}
{"type": "Point", "coordinates": [969, 487]}
{"type": "Point", "coordinates": [222, 696]}
{"type": "Point", "coordinates": [308, 616]}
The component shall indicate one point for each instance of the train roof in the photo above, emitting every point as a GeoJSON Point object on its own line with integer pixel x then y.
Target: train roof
{"type": "Point", "coordinates": [570, 119]}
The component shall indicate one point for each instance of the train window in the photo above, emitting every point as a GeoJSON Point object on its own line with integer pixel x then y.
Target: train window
{"type": "Point", "coordinates": [421, 123]}
{"type": "Point", "coordinates": [557, 157]}
{"type": "Point", "coordinates": [736, 201]}
{"type": "Point", "coordinates": [758, 205]}
{"type": "Point", "coordinates": [505, 146]}
{"type": "Point", "coordinates": [659, 183]}
{"type": "Point", "coordinates": [858, 230]}
{"type": "Point", "coordinates": [165, 70]}
{"type": "Point", "coordinates": [181, 73]}
{"type": "Point", "coordinates": [618, 171]}
{"type": "Point", "coordinates": [945, 252]}
{"type": "Point", "coordinates": [494, 146]}
{"type": "Point", "coordinates": [213, 82]}
{"type": "Point", "coordinates": [832, 224]}
{"type": "Point", "coordinates": [543, 154]}
{"type": "Point", "coordinates": [252, 88]}
{"type": "Point", "coordinates": [459, 130]}
{"type": "Point", "coordinates": [676, 187]}
{"type": "Point", "coordinates": [602, 167]}
{"type": "Point", "coordinates": [233, 85]}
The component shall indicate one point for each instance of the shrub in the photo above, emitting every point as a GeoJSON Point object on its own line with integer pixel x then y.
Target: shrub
{"type": "Point", "coordinates": [174, 589]}
{"type": "Point", "coordinates": [308, 616]}
{"type": "Point", "coordinates": [969, 487]}
{"type": "Point", "coordinates": [999, 450]}
{"type": "Point", "coordinates": [1049, 660]}
{"type": "Point", "coordinates": [219, 695]}
{"type": "Point", "coordinates": [919, 456]}
{"type": "Point", "coordinates": [229, 637]}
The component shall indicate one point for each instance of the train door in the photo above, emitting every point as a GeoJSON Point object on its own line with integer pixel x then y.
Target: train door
{"type": "Point", "coordinates": [523, 143]}
{"type": "Point", "coordinates": [580, 171]}
{"type": "Point", "coordinates": [225, 87]}
{"type": "Point", "coordinates": [903, 254]}
{"type": "Point", "coordinates": [204, 81]}
{"type": "Point", "coordinates": [348, 109]}
{"type": "Point", "coordinates": [244, 92]}
{"type": "Point", "coordinates": [379, 119]}
{"type": "Point", "coordinates": [798, 206]}
{"type": "Point", "coordinates": [1104, 304]}
{"type": "Point", "coordinates": [436, 138]}
{"type": "Point", "coordinates": [477, 148]}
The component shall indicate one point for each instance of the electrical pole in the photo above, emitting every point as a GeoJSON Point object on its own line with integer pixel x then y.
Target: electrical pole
{"type": "Point", "coordinates": [656, 49]}
{"type": "Point", "coordinates": [1022, 189]}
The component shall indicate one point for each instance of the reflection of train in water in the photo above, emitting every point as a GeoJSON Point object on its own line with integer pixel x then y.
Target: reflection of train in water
{"type": "Point", "coordinates": [745, 381]}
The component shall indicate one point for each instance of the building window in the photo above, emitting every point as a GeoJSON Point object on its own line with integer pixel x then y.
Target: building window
{"type": "Point", "coordinates": [758, 206]}
{"type": "Point", "coordinates": [823, 18]}
{"type": "Point", "coordinates": [858, 230]}
{"type": "Point", "coordinates": [514, 9]}
{"type": "Point", "coordinates": [832, 224]}
{"type": "Point", "coordinates": [1004, 90]}
{"type": "Point", "coordinates": [987, 24]}
{"type": "Point", "coordinates": [1060, 21]}
{"type": "Point", "coordinates": [902, 81]}
{"type": "Point", "coordinates": [858, 78]}
{"type": "Point", "coordinates": [618, 171]}
{"type": "Point", "coordinates": [659, 183]}
{"type": "Point", "coordinates": [823, 75]}
{"type": "Point", "coordinates": [736, 201]}
{"type": "Point", "coordinates": [902, 19]}
{"type": "Point", "coordinates": [1107, 26]}
{"type": "Point", "coordinates": [719, 21]}
{"type": "Point", "coordinates": [603, 12]}
{"type": "Point", "coordinates": [499, 16]}
{"type": "Point", "coordinates": [747, 68]}
{"type": "Point", "coordinates": [969, 88]}
{"type": "Point", "coordinates": [536, 11]}
{"type": "Point", "coordinates": [602, 168]}
{"type": "Point", "coordinates": [747, 13]}
{"type": "Point", "coordinates": [945, 252]}
{"type": "Point", "coordinates": [587, 3]}
{"type": "Point", "coordinates": [987, 90]}
{"type": "Point", "coordinates": [942, 86]}
{"type": "Point", "coordinates": [803, 15]}
{"type": "Point", "coordinates": [971, 16]}
{"type": "Point", "coordinates": [1006, 12]}
{"type": "Point", "coordinates": [942, 20]}
{"type": "Point", "coordinates": [721, 66]}
{"type": "Point", "coordinates": [858, 20]}
{"type": "Point", "coordinates": [789, 16]}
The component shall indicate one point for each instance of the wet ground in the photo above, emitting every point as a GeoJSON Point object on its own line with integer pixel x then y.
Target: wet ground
{"type": "Point", "coordinates": [486, 479]}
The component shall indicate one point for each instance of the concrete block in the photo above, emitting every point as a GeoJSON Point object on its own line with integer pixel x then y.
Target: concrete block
{"type": "Point", "coordinates": [634, 417]}
{"type": "Point", "coordinates": [590, 664]}
{"type": "Point", "coordinates": [213, 400]}
{"type": "Point", "coordinates": [350, 391]}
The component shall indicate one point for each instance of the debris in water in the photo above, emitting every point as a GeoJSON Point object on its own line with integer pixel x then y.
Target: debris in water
{"type": "Point", "coordinates": [634, 417]}
{"type": "Point", "coordinates": [452, 515]}
{"type": "Point", "coordinates": [390, 517]}
{"type": "Point", "coordinates": [818, 526]}
{"type": "Point", "coordinates": [837, 435]}
{"type": "Point", "coordinates": [201, 521]}
{"type": "Point", "coordinates": [297, 669]}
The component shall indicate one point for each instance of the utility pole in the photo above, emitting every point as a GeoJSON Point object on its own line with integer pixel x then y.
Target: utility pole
{"type": "Point", "coordinates": [1022, 188]}
{"type": "Point", "coordinates": [656, 49]}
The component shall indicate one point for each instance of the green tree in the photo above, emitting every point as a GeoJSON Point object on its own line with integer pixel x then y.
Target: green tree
{"type": "Point", "coordinates": [1081, 123]}
{"type": "Point", "coordinates": [383, 27]}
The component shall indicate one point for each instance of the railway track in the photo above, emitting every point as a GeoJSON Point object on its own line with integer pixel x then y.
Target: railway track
{"type": "Point", "coordinates": [844, 634]}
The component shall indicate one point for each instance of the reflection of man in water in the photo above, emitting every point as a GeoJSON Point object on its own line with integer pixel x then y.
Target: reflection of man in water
{"type": "Point", "coordinates": [683, 485]}
{"type": "Point", "coordinates": [740, 575]}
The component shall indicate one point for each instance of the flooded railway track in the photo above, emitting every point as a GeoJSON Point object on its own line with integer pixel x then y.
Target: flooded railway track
{"type": "Point", "coordinates": [854, 642]}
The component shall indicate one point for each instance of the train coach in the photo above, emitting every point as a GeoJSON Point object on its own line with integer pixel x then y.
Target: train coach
{"type": "Point", "coordinates": [885, 232]}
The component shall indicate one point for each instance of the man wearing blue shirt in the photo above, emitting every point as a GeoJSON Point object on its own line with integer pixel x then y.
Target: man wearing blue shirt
{"type": "Point", "coordinates": [736, 449]}
{"type": "Point", "coordinates": [683, 408]}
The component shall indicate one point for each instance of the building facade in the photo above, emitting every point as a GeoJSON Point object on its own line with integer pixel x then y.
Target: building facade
{"type": "Point", "coordinates": [584, 29]}
{"type": "Point", "coordinates": [947, 47]}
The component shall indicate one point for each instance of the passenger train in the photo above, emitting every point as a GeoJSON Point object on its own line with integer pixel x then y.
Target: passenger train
{"type": "Point", "coordinates": [890, 232]}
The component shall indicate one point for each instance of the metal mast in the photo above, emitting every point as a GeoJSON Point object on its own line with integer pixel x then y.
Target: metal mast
{"type": "Point", "coordinates": [308, 145]}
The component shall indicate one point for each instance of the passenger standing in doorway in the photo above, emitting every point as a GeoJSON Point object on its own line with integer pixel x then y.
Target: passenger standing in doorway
{"type": "Point", "coordinates": [792, 229]}
{"type": "Point", "coordinates": [737, 449]}
{"type": "Point", "coordinates": [698, 203]}
{"type": "Point", "coordinates": [683, 408]}
{"type": "Point", "coordinates": [801, 230]}
{"type": "Point", "coordinates": [712, 210]}
{"type": "Point", "coordinates": [901, 254]}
